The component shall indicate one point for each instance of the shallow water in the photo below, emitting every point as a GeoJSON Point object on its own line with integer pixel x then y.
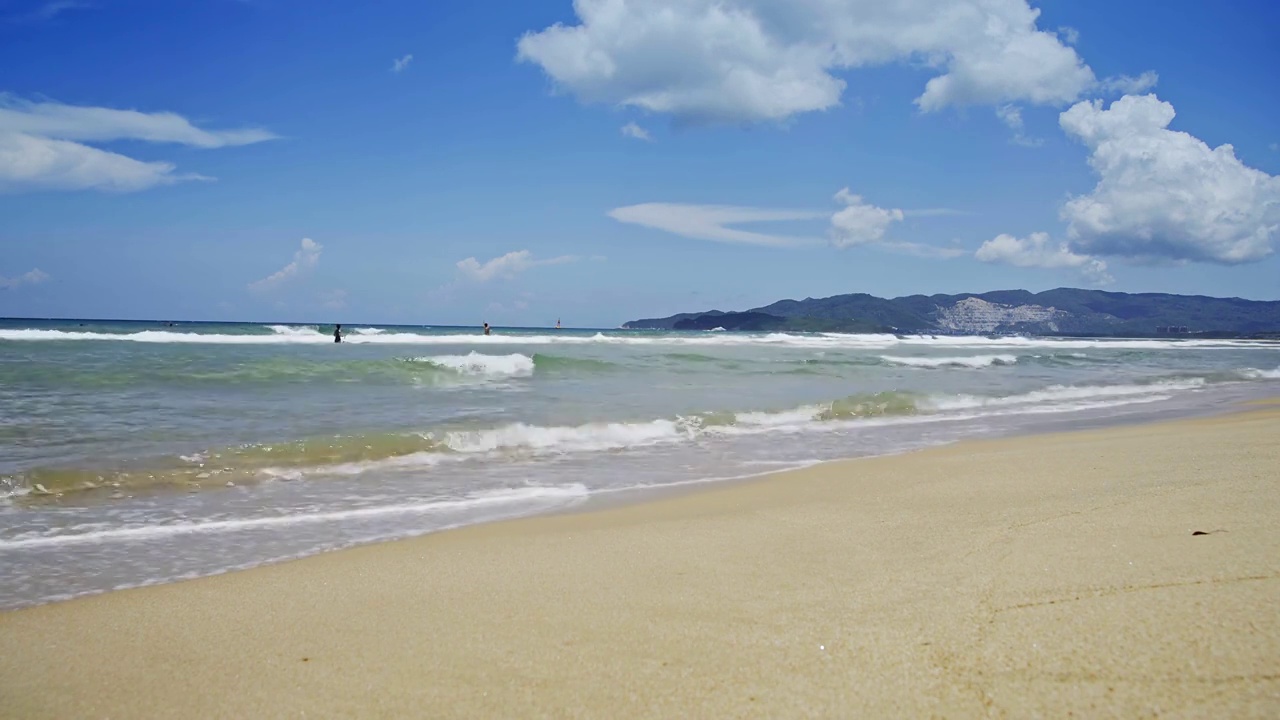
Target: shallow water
{"type": "Point", "coordinates": [133, 453]}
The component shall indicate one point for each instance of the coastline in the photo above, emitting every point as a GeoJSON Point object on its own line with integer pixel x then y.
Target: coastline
{"type": "Point", "coordinates": [1035, 574]}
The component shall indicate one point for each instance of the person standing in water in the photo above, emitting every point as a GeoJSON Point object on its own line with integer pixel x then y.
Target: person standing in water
{"type": "Point", "coordinates": [337, 333]}
{"type": "Point", "coordinates": [486, 328]}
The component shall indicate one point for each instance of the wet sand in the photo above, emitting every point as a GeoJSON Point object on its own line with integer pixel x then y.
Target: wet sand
{"type": "Point", "coordinates": [1037, 576]}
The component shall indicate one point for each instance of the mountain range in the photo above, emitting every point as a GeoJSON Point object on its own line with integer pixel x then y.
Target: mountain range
{"type": "Point", "coordinates": [1063, 311]}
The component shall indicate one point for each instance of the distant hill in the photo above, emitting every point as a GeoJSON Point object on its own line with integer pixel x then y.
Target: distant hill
{"type": "Point", "coordinates": [1064, 311]}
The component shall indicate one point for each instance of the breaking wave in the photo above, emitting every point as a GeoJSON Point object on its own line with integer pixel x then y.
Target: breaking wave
{"type": "Point", "coordinates": [974, 361]}
{"type": "Point", "coordinates": [477, 364]}
{"type": "Point", "coordinates": [418, 452]}
{"type": "Point", "coordinates": [307, 334]}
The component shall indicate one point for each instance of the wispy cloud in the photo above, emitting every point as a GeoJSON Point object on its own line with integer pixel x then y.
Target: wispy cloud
{"type": "Point", "coordinates": [921, 250]}
{"type": "Point", "coordinates": [48, 11]}
{"type": "Point", "coordinates": [507, 266]}
{"type": "Point", "coordinates": [334, 299]}
{"type": "Point", "coordinates": [34, 276]}
{"type": "Point", "coordinates": [30, 162]}
{"type": "Point", "coordinates": [399, 64]}
{"type": "Point", "coordinates": [712, 222]}
{"type": "Point", "coordinates": [633, 130]}
{"type": "Point", "coordinates": [42, 146]}
{"type": "Point", "coordinates": [1011, 115]}
{"type": "Point", "coordinates": [1127, 85]}
{"type": "Point", "coordinates": [99, 124]}
{"type": "Point", "coordinates": [304, 260]}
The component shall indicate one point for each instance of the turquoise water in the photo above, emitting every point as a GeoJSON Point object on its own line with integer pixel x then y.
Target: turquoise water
{"type": "Point", "coordinates": [133, 453]}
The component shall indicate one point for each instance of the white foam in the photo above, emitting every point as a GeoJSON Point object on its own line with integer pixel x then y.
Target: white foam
{"type": "Point", "coordinates": [1057, 393]}
{"type": "Point", "coordinates": [582, 438]}
{"type": "Point", "coordinates": [474, 363]}
{"type": "Point", "coordinates": [528, 495]}
{"type": "Point", "coordinates": [368, 331]}
{"type": "Point", "coordinates": [285, 334]}
{"type": "Point", "coordinates": [800, 415]}
{"type": "Point", "coordinates": [1256, 374]}
{"type": "Point", "coordinates": [973, 361]}
{"type": "Point", "coordinates": [303, 331]}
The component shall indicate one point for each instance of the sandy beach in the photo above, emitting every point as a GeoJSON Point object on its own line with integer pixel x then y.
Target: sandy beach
{"type": "Point", "coordinates": [1045, 576]}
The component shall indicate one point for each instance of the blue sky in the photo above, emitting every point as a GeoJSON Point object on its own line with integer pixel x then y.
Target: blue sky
{"type": "Point", "coordinates": [281, 159]}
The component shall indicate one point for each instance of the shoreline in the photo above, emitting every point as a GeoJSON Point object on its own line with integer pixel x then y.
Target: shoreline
{"type": "Point", "coordinates": [603, 499]}
{"type": "Point", "coordinates": [941, 580]}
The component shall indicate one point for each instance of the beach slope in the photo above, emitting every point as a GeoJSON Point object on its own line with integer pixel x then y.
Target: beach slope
{"type": "Point", "coordinates": [1014, 578]}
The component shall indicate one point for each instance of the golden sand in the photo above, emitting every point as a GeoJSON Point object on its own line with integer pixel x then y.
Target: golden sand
{"type": "Point", "coordinates": [1045, 576]}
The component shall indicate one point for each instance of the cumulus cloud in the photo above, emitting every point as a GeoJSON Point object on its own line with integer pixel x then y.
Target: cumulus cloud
{"type": "Point", "coordinates": [711, 222]}
{"type": "Point", "coordinates": [754, 60]}
{"type": "Point", "coordinates": [859, 222]}
{"type": "Point", "coordinates": [399, 64]}
{"type": "Point", "coordinates": [42, 146]}
{"type": "Point", "coordinates": [1038, 250]}
{"type": "Point", "coordinates": [34, 276]}
{"type": "Point", "coordinates": [304, 260]}
{"type": "Point", "coordinates": [1164, 194]}
{"type": "Point", "coordinates": [507, 266]}
{"type": "Point", "coordinates": [633, 130]}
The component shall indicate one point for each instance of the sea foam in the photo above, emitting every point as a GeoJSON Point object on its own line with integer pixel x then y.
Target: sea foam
{"type": "Point", "coordinates": [974, 361]}
{"type": "Point", "coordinates": [89, 534]}
{"type": "Point", "coordinates": [287, 334]}
{"type": "Point", "coordinates": [477, 364]}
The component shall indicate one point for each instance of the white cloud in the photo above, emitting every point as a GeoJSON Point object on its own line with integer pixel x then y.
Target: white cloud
{"type": "Point", "coordinates": [710, 222]}
{"type": "Point", "coordinates": [1011, 115]}
{"type": "Point", "coordinates": [859, 222]}
{"type": "Point", "coordinates": [1069, 35]}
{"type": "Point", "coordinates": [507, 266]}
{"type": "Point", "coordinates": [99, 124]}
{"type": "Point", "coordinates": [28, 162]}
{"type": "Point", "coordinates": [1165, 194]}
{"type": "Point", "coordinates": [399, 64]}
{"type": "Point", "coordinates": [753, 60]}
{"type": "Point", "coordinates": [34, 276]}
{"type": "Point", "coordinates": [1126, 85]}
{"type": "Point", "coordinates": [304, 260]}
{"type": "Point", "coordinates": [1038, 250]}
{"type": "Point", "coordinates": [1275, 147]}
{"type": "Point", "coordinates": [633, 130]}
{"type": "Point", "coordinates": [42, 146]}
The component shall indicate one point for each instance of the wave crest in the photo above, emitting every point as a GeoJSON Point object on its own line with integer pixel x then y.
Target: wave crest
{"type": "Point", "coordinates": [974, 361]}
{"type": "Point", "coordinates": [477, 364]}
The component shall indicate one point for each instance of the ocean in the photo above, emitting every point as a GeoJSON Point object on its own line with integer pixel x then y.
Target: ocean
{"type": "Point", "coordinates": [134, 453]}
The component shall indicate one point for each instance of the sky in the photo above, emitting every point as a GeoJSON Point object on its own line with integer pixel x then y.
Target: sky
{"type": "Point", "coordinates": [520, 162]}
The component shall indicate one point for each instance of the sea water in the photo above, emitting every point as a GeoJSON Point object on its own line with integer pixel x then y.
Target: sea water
{"type": "Point", "coordinates": [135, 453]}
